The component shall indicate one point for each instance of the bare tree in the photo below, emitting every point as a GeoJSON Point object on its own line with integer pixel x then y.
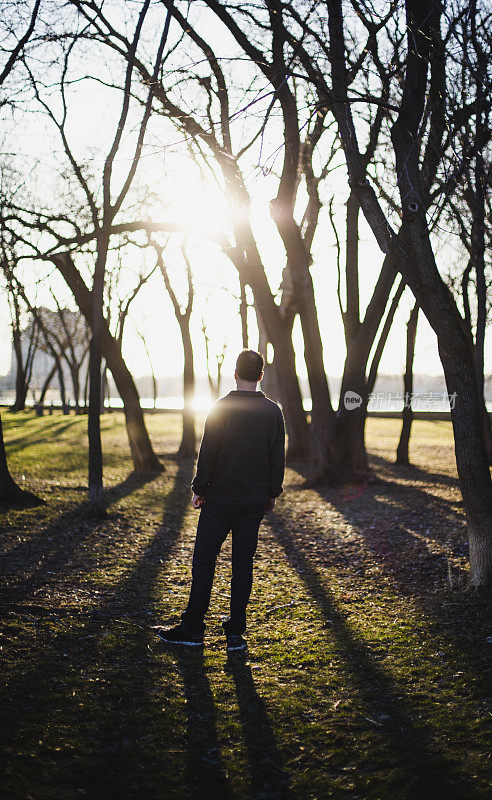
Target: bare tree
{"type": "Point", "coordinates": [71, 336]}
{"type": "Point", "coordinates": [10, 492]}
{"type": "Point", "coordinates": [25, 340]}
{"type": "Point", "coordinates": [187, 448]}
{"type": "Point", "coordinates": [466, 186]}
{"type": "Point", "coordinates": [102, 220]}
{"type": "Point", "coordinates": [243, 250]}
{"type": "Point", "coordinates": [411, 246]}
{"type": "Point", "coordinates": [402, 454]}
{"type": "Point", "coordinates": [214, 363]}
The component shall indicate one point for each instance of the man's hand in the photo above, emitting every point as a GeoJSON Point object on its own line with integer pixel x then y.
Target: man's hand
{"type": "Point", "coordinates": [270, 505]}
{"type": "Point", "coordinates": [197, 501]}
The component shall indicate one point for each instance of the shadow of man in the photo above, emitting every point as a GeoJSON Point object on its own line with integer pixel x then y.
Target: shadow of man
{"type": "Point", "coordinates": [269, 778]}
{"type": "Point", "coordinates": [205, 772]}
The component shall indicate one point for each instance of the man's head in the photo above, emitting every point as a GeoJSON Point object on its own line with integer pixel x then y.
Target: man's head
{"type": "Point", "coordinates": [249, 367]}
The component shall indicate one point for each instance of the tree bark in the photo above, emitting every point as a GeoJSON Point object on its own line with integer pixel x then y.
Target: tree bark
{"type": "Point", "coordinates": [20, 374]}
{"type": "Point", "coordinates": [187, 448]}
{"type": "Point", "coordinates": [144, 458]}
{"type": "Point", "coordinates": [11, 495]}
{"type": "Point", "coordinates": [402, 454]}
{"type": "Point", "coordinates": [246, 259]}
{"type": "Point", "coordinates": [96, 496]}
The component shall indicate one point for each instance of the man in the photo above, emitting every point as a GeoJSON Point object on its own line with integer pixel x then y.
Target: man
{"type": "Point", "coordinates": [239, 475]}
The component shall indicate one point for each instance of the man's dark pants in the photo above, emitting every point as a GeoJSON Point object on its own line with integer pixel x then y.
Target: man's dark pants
{"type": "Point", "coordinates": [215, 523]}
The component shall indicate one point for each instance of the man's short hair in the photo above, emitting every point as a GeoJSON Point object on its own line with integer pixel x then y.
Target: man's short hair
{"type": "Point", "coordinates": [249, 365]}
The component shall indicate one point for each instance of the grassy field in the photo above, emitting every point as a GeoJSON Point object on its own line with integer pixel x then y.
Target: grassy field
{"type": "Point", "coordinates": [365, 674]}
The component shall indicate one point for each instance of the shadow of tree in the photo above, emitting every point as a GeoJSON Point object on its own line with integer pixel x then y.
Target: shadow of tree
{"type": "Point", "coordinates": [48, 552]}
{"type": "Point", "coordinates": [397, 541]}
{"type": "Point", "coordinates": [416, 769]}
{"type": "Point", "coordinates": [103, 660]}
{"type": "Point", "coordinates": [45, 432]}
{"type": "Point", "coordinates": [413, 472]}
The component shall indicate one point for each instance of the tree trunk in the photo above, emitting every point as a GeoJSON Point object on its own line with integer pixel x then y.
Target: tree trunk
{"type": "Point", "coordinates": [269, 381]}
{"type": "Point", "coordinates": [96, 496]}
{"type": "Point", "coordinates": [144, 458]}
{"type": "Point", "coordinates": [46, 384]}
{"type": "Point", "coordinates": [11, 494]}
{"type": "Point", "coordinates": [478, 258]}
{"type": "Point", "coordinates": [279, 333]}
{"type": "Point", "coordinates": [487, 431]}
{"type": "Point", "coordinates": [243, 313]}
{"type": "Point", "coordinates": [402, 455]}
{"type": "Point", "coordinates": [86, 390]}
{"type": "Point", "coordinates": [349, 457]}
{"type": "Point", "coordinates": [457, 358]}
{"type": "Point", "coordinates": [61, 383]}
{"type": "Point", "coordinates": [104, 385]}
{"type": "Point", "coordinates": [75, 375]}
{"type": "Point", "coordinates": [187, 448]}
{"type": "Point", "coordinates": [298, 263]}
{"type": "Point", "coordinates": [20, 375]}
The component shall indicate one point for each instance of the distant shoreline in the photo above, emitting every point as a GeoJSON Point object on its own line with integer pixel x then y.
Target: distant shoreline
{"type": "Point", "coordinates": [435, 416]}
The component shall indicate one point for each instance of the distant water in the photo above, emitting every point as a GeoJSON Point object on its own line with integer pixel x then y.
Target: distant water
{"type": "Point", "coordinates": [381, 401]}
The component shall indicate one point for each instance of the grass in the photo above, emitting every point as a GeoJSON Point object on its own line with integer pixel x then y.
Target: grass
{"type": "Point", "coordinates": [365, 673]}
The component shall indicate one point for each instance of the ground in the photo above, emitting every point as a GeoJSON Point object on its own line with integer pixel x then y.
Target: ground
{"type": "Point", "coordinates": [365, 673]}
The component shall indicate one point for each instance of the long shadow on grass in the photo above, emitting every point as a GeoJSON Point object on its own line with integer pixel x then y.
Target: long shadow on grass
{"type": "Point", "coordinates": [48, 552]}
{"type": "Point", "coordinates": [418, 770]}
{"type": "Point", "coordinates": [82, 714]}
{"type": "Point", "coordinates": [390, 514]}
{"type": "Point", "coordinates": [395, 539]}
{"type": "Point", "coordinates": [205, 775]}
{"type": "Point", "coordinates": [414, 472]}
{"type": "Point", "coordinates": [269, 778]}
{"type": "Point", "coordinates": [46, 431]}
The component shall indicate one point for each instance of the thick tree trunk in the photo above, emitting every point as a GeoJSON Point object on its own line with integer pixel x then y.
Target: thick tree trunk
{"type": "Point", "coordinates": [457, 358]}
{"type": "Point", "coordinates": [349, 460]}
{"type": "Point", "coordinates": [11, 495]}
{"type": "Point", "coordinates": [187, 448]}
{"type": "Point", "coordinates": [86, 390]}
{"type": "Point", "coordinates": [402, 454]}
{"type": "Point", "coordinates": [344, 457]}
{"type": "Point", "coordinates": [96, 495]}
{"type": "Point", "coordinates": [298, 263]}
{"type": "Point", "coordinates": [279, 333]}
{"type": "Point", "coordinates": [20, 377]}
{"type": "Point", "coordinates": [478, 259]}
{"type": "Point", "coordinates": [144, 458]}
{"type": "Point", "coordinates": [269, 381]}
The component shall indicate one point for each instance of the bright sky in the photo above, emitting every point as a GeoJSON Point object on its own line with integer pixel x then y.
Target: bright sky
{"type": "Point", "coordinates": [181, 193]}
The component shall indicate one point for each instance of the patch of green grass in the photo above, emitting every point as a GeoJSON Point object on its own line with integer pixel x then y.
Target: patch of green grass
{"type": "Point", "coordinates": [364, 676]}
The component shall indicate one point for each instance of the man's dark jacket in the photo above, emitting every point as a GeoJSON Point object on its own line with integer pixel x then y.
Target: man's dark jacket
{"type": "Point", "coordinates": [242, 454]}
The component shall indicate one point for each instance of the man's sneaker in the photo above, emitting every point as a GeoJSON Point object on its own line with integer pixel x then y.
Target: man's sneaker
{"type": "Point", "coordinates": [235, 642]}
{"type": "Point", "coordinates": [180, 635]}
